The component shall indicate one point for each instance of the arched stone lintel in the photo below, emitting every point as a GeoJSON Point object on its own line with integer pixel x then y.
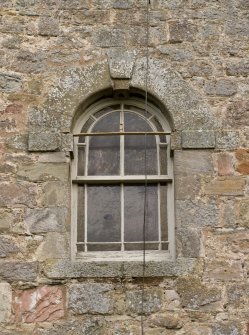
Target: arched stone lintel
{"type": "Point", "coordinates": [78, 87]}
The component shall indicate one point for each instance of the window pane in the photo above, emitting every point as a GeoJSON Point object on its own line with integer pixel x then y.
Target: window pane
{"type": "Point", "coordinates": [140, 246]}
{"type": "Point", "coordinates": [163, 159]}
{"type": "Point", "coordinates": [85, 128]}
{"type": "Point", "coordinates": [104, 151]}
{"type": "Point", "coordinates": [163, 210]}
{"type": "Point", "coordinates": [106, 110]}
{"type": "Point", "coordinates": [81, 214]}
{"type": "Point", "coordinates": [104, 247]}
{"type": "Point", "coordinates": [134, 213]}
{"type": "Point", "coordinates": [135, 147]}
{"type": "Point", "coordinates": [103, 214]}
{"type": "Point", "coordinates": [81, 161]}
{"type": "Point", "coordinates": [159, 127]}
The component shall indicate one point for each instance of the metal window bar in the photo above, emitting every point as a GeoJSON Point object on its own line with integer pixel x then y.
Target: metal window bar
{"type": "Point", "coordinates": [124, 133]}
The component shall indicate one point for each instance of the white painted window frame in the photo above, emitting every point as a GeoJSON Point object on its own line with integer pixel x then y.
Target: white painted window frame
{"type": "Point", "coordinates": [76, 180]}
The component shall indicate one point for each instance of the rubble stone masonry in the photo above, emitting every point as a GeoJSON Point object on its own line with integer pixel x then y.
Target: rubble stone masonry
{"type": "Point", "coordinates": [54, 55]}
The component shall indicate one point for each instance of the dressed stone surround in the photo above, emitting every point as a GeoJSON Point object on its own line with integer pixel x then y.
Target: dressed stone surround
{"type": "Point", "coordinates": [58, 57]}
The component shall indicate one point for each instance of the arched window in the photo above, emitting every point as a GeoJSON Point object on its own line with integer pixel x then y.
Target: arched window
{"type": "Point", "coordinates": [112, 172]}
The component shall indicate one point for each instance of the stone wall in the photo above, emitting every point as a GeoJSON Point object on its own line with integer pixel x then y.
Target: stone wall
{"type": "Point", "coordinates": [55, 54]}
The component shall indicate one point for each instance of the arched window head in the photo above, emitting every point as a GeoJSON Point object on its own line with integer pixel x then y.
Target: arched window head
{"type": "Point", "coordinates": [122, 182]}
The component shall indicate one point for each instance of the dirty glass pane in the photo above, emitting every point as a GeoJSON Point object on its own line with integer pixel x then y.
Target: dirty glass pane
{"type": "Point", "coordinates": [140, 246]}
{"type": "Point", "coordinates": [104, 247]}
{"type": "Point", "coordinates": [159, 127]}
{"type": "Point", "coordinates": [81, 161]}
{"type": "Point", "coordinates": [103, 213]}
{"type": "Point", "coordinates": [163, 211]}
{"type": "Point", "coordinates": [163, 159]}
{"type": "Point", "coordinates": [85, 128]}
{"type": "Point", "coordinates": [81, 214]}
{"type": "Point", "coordinates": [135, 147]}
{"type": "Point", "coordinates": [134, 213]}
{"type": "Point", "coordinates": [104, 151]}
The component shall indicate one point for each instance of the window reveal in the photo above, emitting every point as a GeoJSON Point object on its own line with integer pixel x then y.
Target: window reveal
{"type": "Point", "coordinates": [111, 182]}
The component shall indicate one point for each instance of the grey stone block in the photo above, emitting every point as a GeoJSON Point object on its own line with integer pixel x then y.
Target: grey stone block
{"type": "Point", "coordinates": [222, 87]}
{"type": "Point", "coordinates": [10, 82]}
{"type": "Point", "coordinates": [192, 162]}
{"type": "Point", "coordinates": [44, 172]}
{"type": "Point", "coordinates": [152, 301]}
{"type": "Point", "coordinates": [90, 298]}
{"type": "Point", "coordinates": [5, 302]}
{"type": "Point", "coordinates": [43, 220]}
{"type": "Point", "coordinates": [197, 139]}
{"type": "Point", "coordinates": [107, 37]}
{"type": "Point", "coordinates": [48, 26]}
{"type": "Point", "coordinates": [121, 63]}
{"type": "Point", "coordinates": [196, 213]}
{"type": "Point", "coordinates": [44, 141]}
{"type": "Point", "coordinates": [18, 271]}
{"type": "Point", "coordinates": [188, 242]}
{"type": "Point", "coordinates": [227, 139]}
{"type": "Point", "coordinates": [107, 269]}
{"type": "Point", "coordinates": [7, 247]}
{"type": "Point", "coordinates": [238, 68]}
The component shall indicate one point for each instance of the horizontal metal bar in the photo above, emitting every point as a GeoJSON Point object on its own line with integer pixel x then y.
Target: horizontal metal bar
{"type": "Point", "coordinates": [107, 243]}
{"type": "Point", "coordinates": [113, 133]}
{"type": "Point", "coordinates": [119, 179]}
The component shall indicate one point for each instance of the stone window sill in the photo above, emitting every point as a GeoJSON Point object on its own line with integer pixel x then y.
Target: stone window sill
{"type": "Point", "coordinates": [80, 268]}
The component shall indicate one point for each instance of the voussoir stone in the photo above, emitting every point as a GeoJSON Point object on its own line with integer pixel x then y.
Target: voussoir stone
{"type": "Point", "coordinates": [90, 298]}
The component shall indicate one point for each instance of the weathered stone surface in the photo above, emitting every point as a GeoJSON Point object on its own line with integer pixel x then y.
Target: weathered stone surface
{"type": "Point", "coordinates": [198, 139]}
{"type": "Point", "coordinates": [228, 328]}
{"type": "Point", "coordinates": [242, 156]}
{"type": "Point", "coordinates": [224, 164]}
{"type": "Point", "coordinates": [39, 305]}
{"type": "Point", "coordinates": [5, 302]}
{"type": "Point", "coordinates": [194, 293]}
{"type": "Point", "coordinates": [10, 82]}
{"type": "Point", "coordinates": [16, 271]}
{"type": "Point", "coordinates": [187, 187]}
{"type": "Point", "coordinates": [172, 301]}
{"type": "Point", "coordinates": [226, 186]}
{"type": "Point", "coordinates": [7, 247]}
{"type": "Point", "coordinates": [108, 269]}
{"type": "Point", "coordinates": [55, 194]}
{"type": "Point", "coordinates": [44, 172]}
{"type": "Point", "coordinates": [237, 114]}
{"type": "Point", "coordinates": [238, 69]}
{"type": "Point", "coordinates": [196, 213]}
{"type": "Point", "coordinates": [13, 194]}
{"type": "Point", "coordinates": [244, 213]}
{"type": "Point", "coordinates": [121, 63]}
{"type": "Point", "coordinates": [48, 26]}
{"type": "Point", "coordinates": [223, 87]}
{"type": "Point", "coordinates": [198, 330]}
{"type": "Point", "coordinates": [189, 162]}
{"type": "Point", "coordinates": [223, 270]}
{"type": "Point", "coordinates": [107, 37]}
{"type": "Point", "coordinates": [53, 157]}
{"type": "Point", "coordinates": [165, 320]}
{"type": "Point", "coordinates": [43, 220]}
{"type": "Point", "coordinates": [152, 301]}
{"type": "Point", "coordinates": [180, 31]}
{"type": "Point", "coordinates": [29, 62]}
{"type": "Point", "coordinates": [44, 141]}
{"type": "Point", "coordinates": [6, 220]}
{"type": "Point", "coordinates": [54, 246]}
{"type": "Point", "coordinates": [90, 298]}
{"type": "Point", "coordinates": [238, 295]}
{"type": "Point", "coordinates": [188, 242]}
{"type": "Point", "coordinates": [123, 4]}
{"type": "Point", "coordinates": [89, 325]}
{"type": "Point", "coordinates": [227, 139]}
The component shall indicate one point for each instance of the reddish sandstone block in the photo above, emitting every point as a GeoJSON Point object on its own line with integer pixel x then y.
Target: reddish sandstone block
{"type": "Point", "coordinates": [242, 156]}
{"type": "Point", "coordinates": [39, 305]}
{"type": "Point", "coordinates": [225, 164]}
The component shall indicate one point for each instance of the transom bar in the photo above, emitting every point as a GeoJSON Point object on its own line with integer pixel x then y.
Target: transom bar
{"type": "Point", "coordinates": [124, 133]}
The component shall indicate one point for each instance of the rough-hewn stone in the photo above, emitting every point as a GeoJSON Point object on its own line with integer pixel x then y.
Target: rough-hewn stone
{"type": "Point", "coordinates": [237, 114]}
{"type": "Point", "coordinates": [152, 301]}
{"type": "Point", "coordinates": [14, 194]}
{"type": "Point", "coordinates": [189, 244]}
{"type": "Point", "coordinates": [44, 141]}
{"type": "Point", "coordinates": [180, 31]}
{"type": "Point", "coordinates": [16, 271]}
{"type": "Point", "coordinates": [224, 164]}
{"type": "Point", "coordinates": [166, 320]}
{"type": "Point", "coordinates": [48, 26]}
{"type": "Point", "coordinates": [90, 298]}
{"type": "Point", "coordinates": [244, 213]}
{"type": "Point", "coordinates": [226, 186]}
{"type": "Point", "coordinates": [10, 82]}
{"type": "Point", "coordinates": [5, 302]}
{"type": "Point", "coordinates": [198, 139]}
{"type": "Point", "coordinates": [7, 247]}
{"type": "Point", "coordinates": [43, 220]}
{"type": "Point", "coordinates": [55, 245]}
{"type": "Point", "coordinates": [221, 87]}
{"type": "Point", "coordinates": [39, 305]}
{"type": "Point", "coordinates": [223, 270]}
{"type": "Point", "coordinates": [226, 139]}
